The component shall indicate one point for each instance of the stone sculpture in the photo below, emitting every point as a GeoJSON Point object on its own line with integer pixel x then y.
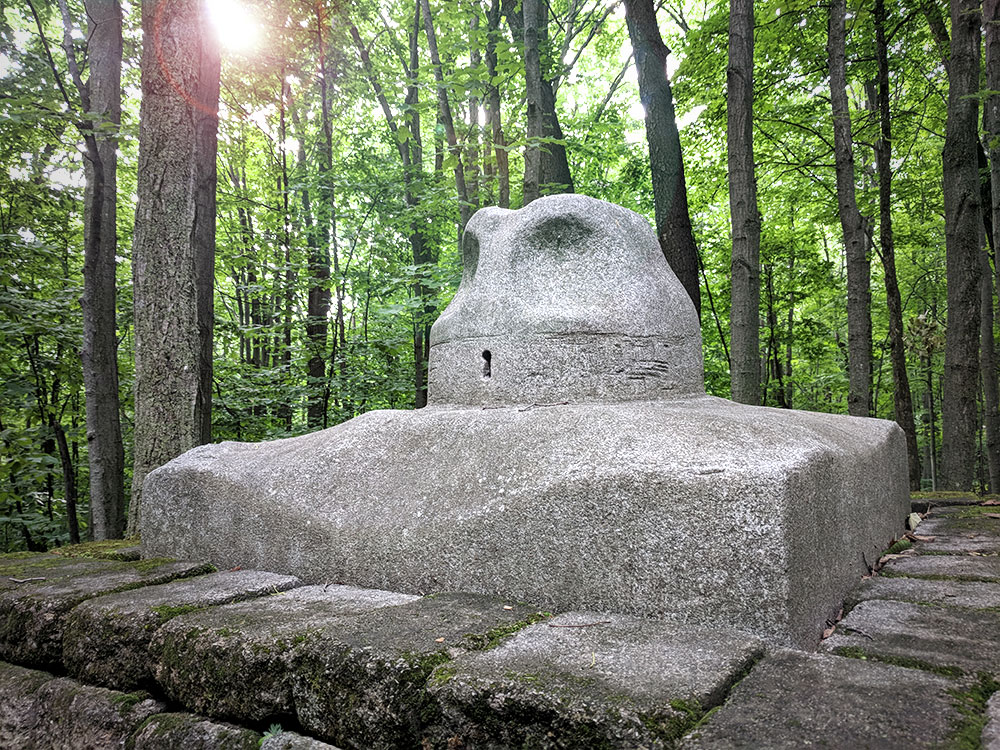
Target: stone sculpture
{"type": "Point", "coordinates": [569, 457]}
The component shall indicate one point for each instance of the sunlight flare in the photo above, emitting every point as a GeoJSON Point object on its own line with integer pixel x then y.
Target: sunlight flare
{"type": "Point", "coordinates": [235, 25]}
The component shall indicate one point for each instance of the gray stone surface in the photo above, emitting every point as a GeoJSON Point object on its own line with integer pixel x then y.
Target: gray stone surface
{"type": "Point", "coordinates": [552, 293]}
{"type": "Point", "coordinates": [957, 567]}
{"type": "Point", "coordinates": [37, 595]}
{"type": "Point", "coordinates": [550, 481]}
{"type": "Point", "coordinates": [902, 632]}
{"type": "Point", "coordinates": [292, 741]}
{"type": "Point", "coordinates": [588, 680]}
{"type": "Point", "coordinates": [991, 732]}
{"type": "Point", "coordinates": [921, 502]}
{"type": "Point", "coordinates": [176, 731]}
{"type": "Point", "coordinates": [235, 661]}
{"type": "Point", "coordinates": [794, 700]}
{"type": "Point", "coordinates": [39, 711]}
{"type": "Point", "coordinates": [958, 534]}
{"type": "Point", "coordinates": [972, 594]}
{"type": "Point", "coordinates": [378, 664]}
{"type": "Point", "coordinates": [106, 640]}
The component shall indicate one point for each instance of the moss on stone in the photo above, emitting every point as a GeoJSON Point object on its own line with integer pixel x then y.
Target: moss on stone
{"type": "Point", "coordinates": [166, 612]}
{"type": "Point", "coordinates": [971, 706]}
{"type": "Point", "coordinates": [442, 675]}
{"type": "Point", "coordinates": [857, 652]}
{"type": "Point", "coordinates": [125, 702]}
{"type": "Point", "coordinates": [103, 550]}
{"type": "Point", "coordinates": [496, 636]}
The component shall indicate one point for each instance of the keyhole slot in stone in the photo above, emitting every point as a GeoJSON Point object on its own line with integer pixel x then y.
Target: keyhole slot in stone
{"type": "Point", "coordinates": [487, 363]}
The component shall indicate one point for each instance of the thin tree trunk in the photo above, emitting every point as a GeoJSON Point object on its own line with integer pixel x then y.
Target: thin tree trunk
{"type": "Point", "coordinates": [493, 107]}
{"type": "Point", "coordinates": [99, 353]}
{"type": "Point", "coordinates": [673, 221]}
{"type": "Point", "coordinates": [963, 225]}
{"type": "Point", "coordinates": [902, 398]}
{"type": "Point", "coordinates": [856, 228]}
{"type": "Point", "coordinates": [284, 412]}
{"type": "Point", "coordinates": [174, 246]}
{"type": "Point", "coordinates": [745, 313]}
{"type": "Point", "coordinates": [318, 299]}
{"type": "Point", "coordinates": [991, 24]}
{"type": "Point", "coordinates": [444, 106]}
{"type": "Point", "coordinates": [988, 375]}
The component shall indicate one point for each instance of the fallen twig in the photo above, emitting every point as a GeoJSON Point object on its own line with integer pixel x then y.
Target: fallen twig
{"type": "Point", "coordinates": [26, 580]}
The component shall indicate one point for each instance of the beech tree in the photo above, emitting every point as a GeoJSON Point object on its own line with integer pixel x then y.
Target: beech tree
{"type": "Point", "coordinates": [745, 314]}
{"type": "Point", "coordinates": [963, 230]}
{"type": "Point", "coordinates": [673, 222]}
{"type": "Point", "coordinates": [173, 261]}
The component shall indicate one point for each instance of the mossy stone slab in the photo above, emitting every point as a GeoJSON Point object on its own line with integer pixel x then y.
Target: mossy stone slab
{"type": "Point", "coordinates": [956, 567]}
{"type": "Point", "coordinates": [190, 732]}
{"type": "Point", "coordinates": [942, 638]}
{"type": "Point", "coordinates": [589, 680]}
{"type": "Point", "coordinates": [106, 639]}
{"type": "Point", "coordinates": [235, 661]}
{"type": "Point", "coordinates": [36, 600]}
{"type": "Point", "coordinates": [971, 594]}
{"type": "Point", "coordinates": [362, 683]}
{"type": "Point", "coordinates": [991, 732]}
{"type": "Point", "coordinates": [40, 711]}
{"type": "Point", "coordinates": [293, 741]}
{"type": "Point", "coordinates": [795, 699]}
{"type": "Point", "coordinates": [956, 534]}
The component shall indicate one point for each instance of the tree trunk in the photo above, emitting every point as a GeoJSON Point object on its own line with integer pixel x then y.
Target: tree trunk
{"type": "Point", "coordinates": [988, 375]}
{"type": "Point", "coordinates": [554, 174]}
{"type": "Point", "coordinates": [673, 221]}
{"type": "Point", "coordinates": [902, 398]}
{"type": "Point", "coordinates": [856, 227]}
{"type": "Point", "coordinates": [174, 245]}
{"type": "Point", "coordinates": [444, 106]}
{"type": "Point", "coordinates": [318, 296]}
{"type": "Point", "coordinates": [99, 353]}
{"type": "Point", "coordinates": [991, 24]}
{"type": "Point", "coordinates": [744, 315]}
{"type": "Point", "coordinates": [493, 107]}
{"type": "Point", "coordinates": [963, 226]}
{"type": "Point", "coordinates": [533, 93]}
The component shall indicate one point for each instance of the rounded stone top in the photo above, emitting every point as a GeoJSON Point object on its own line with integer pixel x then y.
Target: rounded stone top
{"type": "Point", "coordinates": [567, 300]}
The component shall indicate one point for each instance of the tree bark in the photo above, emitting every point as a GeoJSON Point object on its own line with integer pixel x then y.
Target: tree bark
{"type": "Point", "coordinates": [99, 353]}
{"type": "Point", "coordinates": [493, 107]}
{"type": "Point", "coordinates": [988, 375]}
{"type": "Point", "coordinates": [856, 228]}
{"type": "Point", "coordinates": [666, 163]}
{"type": "Point", "coordinates": [444, 106]}
{"type": "Point", "coordinates": [963, 227]}
{"type": "Point", "coordinates": [744, 315]}
{"type": "Point", "coordinates": [554, 174]}
{"type": "Point", "coordinates": [174, 244]}
{"type": "Point", "coordinates": [991, 24]}
{"type": "Point", "coordinates": [902, 397]}
{"type": "Point", "coordinates": [531, 10]}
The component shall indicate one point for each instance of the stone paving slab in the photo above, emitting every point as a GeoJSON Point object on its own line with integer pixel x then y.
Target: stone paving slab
{"type": "Point", "coordinates": [794, 699]}
{"type": "Point", "coordinates": [40, 711]}
{"type": "Point", "coordinates": [957, 534]}
{"type": "Point", "coordinates": [292, 741]}
{"type": "Point", "coordinates": [971, 594]}
{"type": "Point", "coordinates": [921, 502]}
{"type": "Point", "coordinates": [928, 636]}
{"type": "Point", "coordinates": [234, 661]}
{"type": "Point", "coordinates": [37, 595]}
{"type": "Point", "coordinates": [106, 639]}
{"type": "Point", "coordinates": [379, 664]}
{"type": "Point", "coordinates": [172, 731]}
{"type": "Point", "coordinates": [584, 680]}
{"type": "Point", "coordinates": [957, 567]}
{"type": "Point", "coordinates": [991, 732]}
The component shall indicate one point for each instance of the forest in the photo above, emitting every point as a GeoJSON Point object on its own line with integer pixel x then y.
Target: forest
{"type": "Point", "coordinates": [824, 178]}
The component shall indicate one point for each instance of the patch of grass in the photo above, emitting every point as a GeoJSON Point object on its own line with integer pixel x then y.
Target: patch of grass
{"type": "Point", "coordinates": [857, 652]}
{"type": "Point", "coordinates": [971, 706]}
